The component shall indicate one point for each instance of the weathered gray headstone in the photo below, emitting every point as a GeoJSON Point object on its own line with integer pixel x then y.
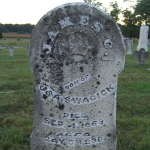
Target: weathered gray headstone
{"type": "Point", "coordinates": [129, 47]}
{"type": "Point", "coordinates": [148, 43]}
{"type": "Point", "coordinates": [76, 54]}
{"type": "Point", "coordinates": [11, 51]}
{"type": "Point", "coordinates": [143, 39]}
{"type": "Point", "coordinates": [125, 41]}
{"type": "Point", "coordinates": [141, 57]}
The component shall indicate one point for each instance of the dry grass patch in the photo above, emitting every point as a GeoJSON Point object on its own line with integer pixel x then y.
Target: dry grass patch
{"type": "Point", "coordinates": [15, 35]}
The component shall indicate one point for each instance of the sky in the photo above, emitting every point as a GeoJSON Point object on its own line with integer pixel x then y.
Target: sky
{"type": "Point", "coordinates": [31, 11]}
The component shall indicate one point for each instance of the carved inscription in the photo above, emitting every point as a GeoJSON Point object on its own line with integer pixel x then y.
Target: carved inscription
{"type": "Point", "coordinates": [93, 123]}
{"type": "Point", "coordinates": [65, 22]}
{"type": "Point", "coordinates": [53, 122]}
{"type": "Point", "coordinates": [77, 100]}
{"type": "Point", "coordinates": [76, 82]}
{"type": "Point", "coordinates": [75, 116]}
{"type": "Point", "coordinates": [74, 139]}
{"type": "Point", "coordinates": [84, 20]}
{"type": "Point", "coordinates": [73, 125]}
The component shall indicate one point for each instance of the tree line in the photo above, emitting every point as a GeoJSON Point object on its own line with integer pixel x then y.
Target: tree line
{"type": "Point", "coordinates": [132, 17]}
{"type": "Point", "coordinates": [18, 28]}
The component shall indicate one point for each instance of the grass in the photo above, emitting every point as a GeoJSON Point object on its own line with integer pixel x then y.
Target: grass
{"type": "Point", "coordinates": [16, 107]}
{"type": "Point", "coordinates": [15, 35]}
{"type": "Point", "coordinates": [17, 41]}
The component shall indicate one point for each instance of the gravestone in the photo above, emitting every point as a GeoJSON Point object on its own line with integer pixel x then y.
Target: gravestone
{"type": "Point", "coordinates": [143, 39]}
{"type": "Point", "coordinates": [125, 41]}
{"type": "Point", "coordinates": [11, 51]}
{"type": "Point", "coordinates": [141, 57]}
{"type": "Point", "coordinates": [129, 47]}
{"type": "Point", "coordinates": [148, 43]}
{"type": "Point", "coordinates": [76, 53]}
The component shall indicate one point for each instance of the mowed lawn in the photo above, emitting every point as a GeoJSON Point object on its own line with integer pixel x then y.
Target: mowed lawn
{"type": "Point", "coordinates": [16, 103]}
{"type": "Point", "coordinates": [15, 39]}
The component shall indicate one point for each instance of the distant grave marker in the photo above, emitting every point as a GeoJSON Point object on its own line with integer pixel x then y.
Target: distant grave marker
{"type": "Point", "coordinates": [76, 54]}
{"type": "Point", "coordinates": [143, 38]}
{"type": "Point", "coordinates": [142, 49]}
{"type": "Point", "coordinates": [129, 46]}
{"type": "Point", "coordinates": [11, 51]}
{"type": "Point", "coordinates": [125, 41]}
{"type": "Point", "coordinates": [141, 57]}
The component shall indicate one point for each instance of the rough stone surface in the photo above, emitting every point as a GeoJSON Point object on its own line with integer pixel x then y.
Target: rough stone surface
{"type": "Point", "coordinates": [11, 51]}
{"type": "Point", "coordinates": [129, 47]}
{"type": "Point", "coordinates": [76, 54]}
{"type": "Point", "coordinates": [143, 39]}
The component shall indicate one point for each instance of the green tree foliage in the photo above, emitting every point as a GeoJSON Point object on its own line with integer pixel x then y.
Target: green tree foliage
{"type": "Point", "coordinates": [130, 29]}
{"type": "Point", "coordinates": [116, 11]}
{"type": "Point", "coordinates": [142, 10]}
{"type": "Point", "coordinates": [94, 2]}
{"type": "Point", "coordinates": [1, 35]}
{"type": "Point", "coordinates": [20, 28]}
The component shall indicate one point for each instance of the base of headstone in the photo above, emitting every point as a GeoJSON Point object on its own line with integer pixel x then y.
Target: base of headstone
{"type": "Point", "coordinates": [141, 63]}
{"type": "Point", "coordinates": [136, 55]}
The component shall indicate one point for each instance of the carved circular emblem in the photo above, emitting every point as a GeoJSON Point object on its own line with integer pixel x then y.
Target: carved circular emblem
{"type": "Point", "coordinates": [108, 43]}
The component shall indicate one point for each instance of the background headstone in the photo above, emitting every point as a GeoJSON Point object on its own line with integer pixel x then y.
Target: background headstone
{"type": "Point", "coordinates": [125, 41]}
{"type": "Point", "coordinates": [148, 43]}
{"type": "Point", "coordinates": [129, 46]}
{"type": "Point", "coordinates": [141, 57]}
{"type": "Point", "coordinates": [76, 54]}
{"type": "Point", "coordinates": [143, 38]}
{"type": "Point", "coordinates": [11, 51]}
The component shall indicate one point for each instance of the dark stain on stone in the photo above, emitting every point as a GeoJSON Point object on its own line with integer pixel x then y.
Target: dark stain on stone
{"type": "Point", "coordinates": [42, 114]}
{"type": "Point", "coordinates": [81, 69]}
{"type": "Point", "coordinates": [94, 146]}
{"type": "Point", "coordinates": [61, 106]}
{"type": "Point", "coordinates": [36, 66]}
{"type": "Point", "coordinates": [109, 134]}
{"type": "Point", "coordinates": [52, 55]}
{"type": "Point", "coordinates": [45, 51]}
{"type": "Point", "coordinates": [48, 41]}
{"type": "Point", "coordinates": [42, 56]}
{"type": "Point", "coordinates": [67, 63]}
{"type": "Point", "coordinates": [94, 52]}
{"type": "Point", "coordinates": [110, 114]}
{"type": "Point", "coordinates": [98, 76]}
{"type": "Point", "coordinates": [40, 70]}
{"type": "Point", "coordinates": [51, 115]}
{"type": "Point", "coordinates": [98, 83]}
{"type": "Point", "coordinates": [61, 91]}
{"type": "Point", "coordinates": [44, 96]}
